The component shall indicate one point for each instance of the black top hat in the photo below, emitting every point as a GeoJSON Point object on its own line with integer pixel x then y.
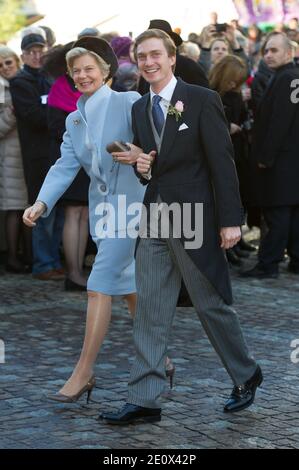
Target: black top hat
{"type": "Point", "coordinates": [102, 48]}
{"type": "Point", "coordinates": [165, 26]}
{"type": "Point", "coordinates": [32, 40]}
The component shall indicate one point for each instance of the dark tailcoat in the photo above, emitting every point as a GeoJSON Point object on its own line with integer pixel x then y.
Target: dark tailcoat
{"type": "Point", "coordinates": [195, 165]}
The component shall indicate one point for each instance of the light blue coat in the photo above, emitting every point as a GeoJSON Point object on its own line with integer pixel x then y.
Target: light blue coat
{"type": "Point", "coordinates": [100, 119]}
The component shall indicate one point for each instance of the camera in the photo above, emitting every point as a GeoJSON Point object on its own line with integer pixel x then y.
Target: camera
{"type": "Point", "coordinates": [220, 27]}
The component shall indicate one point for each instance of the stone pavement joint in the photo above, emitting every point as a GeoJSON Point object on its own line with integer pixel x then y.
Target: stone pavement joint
{"type": "Point", "coordinates": [42, 328]}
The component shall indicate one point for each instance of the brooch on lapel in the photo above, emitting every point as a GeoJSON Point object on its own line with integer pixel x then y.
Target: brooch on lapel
{"type": "Point", "coordinates": [176, 110]}
{"type": "Point", "coordinates": [76, 121]}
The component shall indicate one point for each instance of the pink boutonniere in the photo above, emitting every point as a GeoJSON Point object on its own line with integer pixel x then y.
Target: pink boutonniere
{"type": "Point", "coordinates": [176, 110]}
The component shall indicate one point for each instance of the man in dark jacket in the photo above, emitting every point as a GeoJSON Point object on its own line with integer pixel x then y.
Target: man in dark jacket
{"type": "Point", "coordinates": [29, 90]}
{"type": "Point", "coordinates": [185, 68]}
{"type": "Point", "coordinates": [275, 154]}
{"type": "Point", "coordinates": [259, 84]}
{"type": "Point", "coordinates": [187, 160]}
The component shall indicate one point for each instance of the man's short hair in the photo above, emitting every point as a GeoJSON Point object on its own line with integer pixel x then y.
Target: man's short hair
{"type": "Point", "coordinates": [287, 42]}
{"type": "Point", "coordinates": [158, 34]}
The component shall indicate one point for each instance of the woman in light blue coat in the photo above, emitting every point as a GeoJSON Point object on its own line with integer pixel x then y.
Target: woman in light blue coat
{"type": "Point", "coordinates": [102, 117]}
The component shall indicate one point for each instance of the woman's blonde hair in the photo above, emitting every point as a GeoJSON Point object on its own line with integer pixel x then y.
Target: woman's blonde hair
{"type": "Point", "coordinates": [190, 49]}
{"type": "Point", "coordinates": [7, 52]}
{"type": "Point", "coordinates": [76, 52]}
{"type": "Point", "coordinates": [221, 40]}
{"type": "Point", "coordinates": [229, 69]}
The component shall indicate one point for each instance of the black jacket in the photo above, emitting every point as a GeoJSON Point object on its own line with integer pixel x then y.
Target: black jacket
{"type": "Point", "coordinates": [186, 69]}
{"type": "Point", "coordinates": [195, 165]}
{"type": "Point", "coordinates": [259, 84]}
{"type": "Point", "coordinates": [276, 141]}
{"type": "Point", "coordinates": [236, 112]}
{"type": "Point", "coordinates": [27, 88]}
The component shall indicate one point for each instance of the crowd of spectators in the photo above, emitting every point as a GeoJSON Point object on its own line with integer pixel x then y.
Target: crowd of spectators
{"type": "Point", "coordinates": [252, 80]}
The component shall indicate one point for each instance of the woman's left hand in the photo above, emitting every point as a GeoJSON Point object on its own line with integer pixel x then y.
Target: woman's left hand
{"type": "Point", "coordinates": [128, 158]}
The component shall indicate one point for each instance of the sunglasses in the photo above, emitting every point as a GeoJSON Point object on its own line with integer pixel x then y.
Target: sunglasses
{"type": "Point", "coordinates": [34, 53]}
{"type": "Point", "coordinates": [7, 63]}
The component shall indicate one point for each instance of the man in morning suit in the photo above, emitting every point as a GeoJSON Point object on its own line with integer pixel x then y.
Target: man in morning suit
{"type": "Point", "coordinates": [187, 158]}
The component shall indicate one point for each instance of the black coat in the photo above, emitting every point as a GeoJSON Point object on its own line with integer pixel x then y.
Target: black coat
{"type": "Point", "coordinates": [276, 142]}
{"type": "Point", "coordinates": [27, 88]}
{"type": "Point", "coordinates": [77, 193]}
{"type": "Point", "coordinates": [195, 165]}
{"type": "Point", "coordinates": [236, 112]}
{"type": "Point", "coordinates": [259, 84]}
{"type": "Point", "coordinates": [186, 69]}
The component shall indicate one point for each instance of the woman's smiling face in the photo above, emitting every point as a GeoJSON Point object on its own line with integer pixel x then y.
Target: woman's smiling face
{"type": "Point", "coordinates": [8, 67]}
{"type": "Point", "coordinates": [87, 74]}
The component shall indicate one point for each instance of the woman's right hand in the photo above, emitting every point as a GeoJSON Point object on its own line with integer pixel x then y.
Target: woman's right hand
{"type": "Point", "coordinates": [208, 34]}
{"type": "Point", "coordinates": [31, 214]}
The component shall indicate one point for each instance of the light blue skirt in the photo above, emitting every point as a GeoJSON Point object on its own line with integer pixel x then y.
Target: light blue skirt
{"type": "Point", "coordinates": [113, 271]}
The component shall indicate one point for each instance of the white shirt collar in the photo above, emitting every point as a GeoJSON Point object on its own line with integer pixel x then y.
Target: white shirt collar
{"type": "Point", "coordinates": [167, 92]}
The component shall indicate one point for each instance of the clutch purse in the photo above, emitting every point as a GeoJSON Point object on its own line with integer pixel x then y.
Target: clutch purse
{"type": "Point", "coordinates": [118, 146]}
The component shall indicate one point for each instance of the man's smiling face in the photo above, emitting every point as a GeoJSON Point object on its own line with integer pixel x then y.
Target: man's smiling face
{"type": "Point", "coordinates": [154, 62]}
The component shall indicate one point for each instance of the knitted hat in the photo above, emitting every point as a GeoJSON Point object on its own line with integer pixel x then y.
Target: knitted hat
{"type": "Point", "coordinates": [121, 46]}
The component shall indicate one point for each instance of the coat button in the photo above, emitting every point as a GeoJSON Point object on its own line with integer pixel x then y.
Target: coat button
{"type": "Point", "coordinates": [103, 187]}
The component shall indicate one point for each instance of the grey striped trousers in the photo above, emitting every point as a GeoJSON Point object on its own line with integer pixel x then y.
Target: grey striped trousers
{"type": "Point", "coordinates": [160, 266]}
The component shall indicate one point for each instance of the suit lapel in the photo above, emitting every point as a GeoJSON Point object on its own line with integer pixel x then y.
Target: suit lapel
{"type": "Point", "coordinates": [172, 125]}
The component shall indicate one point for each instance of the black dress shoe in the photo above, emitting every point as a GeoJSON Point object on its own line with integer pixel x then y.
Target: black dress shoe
{"type": "Point", "coordinates": [28, 268]}
{"type": "Point", "coordinates": [71, 285]}
{"type": "Point", "coordinates": [293, 269]}
{"type": "Point", "coordinates": [259, 273]}
{"type": "Point", "coordinates": [243, 395]}
{"type": "Point", "coordinates": [232, 258]}
{"type": "Point", "coordinates": [132, 414]}
{"type": "Point", "coordinates": [246, 246]}
{"type": "Point", "coordinates": [15, 269]}
{"type": "Point", "coordinates": [239, 252]}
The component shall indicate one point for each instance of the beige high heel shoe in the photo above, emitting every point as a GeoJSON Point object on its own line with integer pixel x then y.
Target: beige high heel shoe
{"type": "Point", "coordinates": [169, 372]}
{"type": "Point", "coordinates": [61, 398]}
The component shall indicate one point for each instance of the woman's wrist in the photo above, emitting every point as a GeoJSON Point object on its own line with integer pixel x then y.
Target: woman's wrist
{"type": "Point", "coordinates": [42, 205]}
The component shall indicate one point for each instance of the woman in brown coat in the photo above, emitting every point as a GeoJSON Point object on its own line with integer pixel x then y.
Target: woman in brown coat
{"type": "Point", "coordinates": [13, 192]}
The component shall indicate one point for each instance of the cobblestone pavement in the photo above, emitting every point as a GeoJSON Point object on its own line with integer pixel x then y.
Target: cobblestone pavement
{"type": "Point", "coordinates": [42, 328]}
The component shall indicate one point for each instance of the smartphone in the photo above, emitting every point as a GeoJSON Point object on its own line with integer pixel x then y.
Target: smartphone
{"type": "Point", "coordinates": [118, 146]}
{"type": "Point", "coordinates": [221, 27]}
